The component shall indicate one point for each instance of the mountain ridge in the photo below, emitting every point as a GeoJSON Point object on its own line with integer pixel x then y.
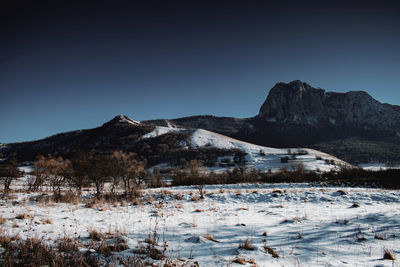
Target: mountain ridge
{"type": "Point", "coordinates": [294, 114]}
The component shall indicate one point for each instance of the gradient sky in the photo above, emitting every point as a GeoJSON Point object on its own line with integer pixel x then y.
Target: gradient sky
{"type": "Point", "coordinates": [71, 66]}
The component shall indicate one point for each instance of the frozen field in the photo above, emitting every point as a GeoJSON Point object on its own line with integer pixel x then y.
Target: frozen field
{"type": "Point", "coordinates": [305, 225]}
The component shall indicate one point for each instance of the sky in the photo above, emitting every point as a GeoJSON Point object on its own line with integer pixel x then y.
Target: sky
{"type": "Point", "coordinates": [77, 64]}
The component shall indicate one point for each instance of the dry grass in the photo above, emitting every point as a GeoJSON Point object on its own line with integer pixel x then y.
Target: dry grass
{"type": "Point", "coordinates": [68, 244]}
{"type": "Point", "coordinates": [243, 261]}
{"type": "Point", "coordinates": [271, 251]}
{"type": "Point", "coordinates": [198, 210]}
{"type": "Point", "coordinates": [33, 252]}
{"type": "Point", "coordinates": [380, 236]}
{"type": "Point", "coordinates": [24, 216]}
{"type": "Point", "coordinates": [94, 202]}
{"type": "Point", "coordinates": [95, 235]}
{"type": "Point", "coordinates": [247, 245]}
{"type": "Point", "coordinates": [47, 221]}
{"type": "Point", "coordinates": [69, 197]}
{"type": "Point", "coordinates": [195, 199]}
{"type": "Point", "coordinates": [239, 261]}
{"type": "Point", "coordinates": [3, 220]}
{"type": "Point", "coordinates": [150, 241]}
{"type": "Point", "coordinates": [299, 235]}
{"type": "Point", "coordinates": [387, 255]}
{"type": "Point", "coordinates": [211, 238]}
{"type": "Point", "coordinates": [238, 192]}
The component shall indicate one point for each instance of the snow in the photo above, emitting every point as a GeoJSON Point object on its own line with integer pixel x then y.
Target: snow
{"type": "Point", "coordinates": [128, 120]}
{"type": "Point", "coordinates": [307, 225]}
{"type": "Point", "coordinates": [377, 166]}
{"type": "Point", "coordinates": [160, 130]}
{"type": "Point", "coordinates": [270, 158]}
{"type": "Point", "coordinates": [258, 157]}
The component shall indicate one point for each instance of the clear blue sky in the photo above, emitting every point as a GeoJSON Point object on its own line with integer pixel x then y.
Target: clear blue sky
{"type": "Point", "coordinates": [65, 67]}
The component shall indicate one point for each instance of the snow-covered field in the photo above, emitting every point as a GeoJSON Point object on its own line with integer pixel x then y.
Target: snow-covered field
{"type": "Point", "coordinates": [306, 225]}
{"type": "Point", "coordinates": [377, 166]}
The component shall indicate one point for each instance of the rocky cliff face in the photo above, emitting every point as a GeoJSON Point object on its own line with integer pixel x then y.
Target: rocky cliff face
{"type": "Point", "coordinates": [298, 103]}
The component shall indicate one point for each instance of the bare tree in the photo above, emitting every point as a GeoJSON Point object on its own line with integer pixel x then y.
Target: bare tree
{"type": "Point", "coordinates": [98, 171]}
{"type": "Point", "coordinates": [39, 173]}
{"type": "Point", "coordinates": [8, 172]}
{"type": "Point", "coordinates": [76, 172]}
{"type": "Point", "coordinates": [196, 173]}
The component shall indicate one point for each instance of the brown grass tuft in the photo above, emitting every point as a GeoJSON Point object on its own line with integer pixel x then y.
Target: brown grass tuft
{"type": "Point", "coordinates": [95, 235]}
{"type": "Point", "coordinates": [271, 251]}
{"type": "Point", "coordinates": [198, 210]}
{"type": "Point", "coordinates": [387, 255]}
{"type": "Point", "coordinates": [247, 245]}
{"type": "Point", "coordinates": [239, 261]}
{"type": "Point", "coordinates": [211, 238]}
{"type": "Point", "coordinates": [47, 221]}
{"type": "Point", "coordinates": [3, 220]}
{"type": "Point", "coordinates": [24, 216]}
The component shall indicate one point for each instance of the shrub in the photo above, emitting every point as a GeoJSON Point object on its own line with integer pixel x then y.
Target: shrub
{"type": "Point", "coordinates": [271, 251]}
{"type": "Point", "coordinates": [387, 255]}
{"type": "Point", "coordinates": [246, 245]}
{"type": "Point", "coordinates": [95, 235]}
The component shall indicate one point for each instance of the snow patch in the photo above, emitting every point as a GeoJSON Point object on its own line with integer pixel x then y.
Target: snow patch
{"type": "Point", "coordinates": [128, 120]}
{"type": "Point", "coordinates": [160, 130]}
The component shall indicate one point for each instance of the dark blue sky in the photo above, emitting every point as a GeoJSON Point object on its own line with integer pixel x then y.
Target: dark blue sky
{"type": "Point", "coordinates": [65, 67]}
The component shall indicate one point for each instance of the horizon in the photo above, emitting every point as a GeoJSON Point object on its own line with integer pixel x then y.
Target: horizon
{"type": "Point", "coordinates": [157, 118]}
{"type": "Point", "coordinates": [70, 66]}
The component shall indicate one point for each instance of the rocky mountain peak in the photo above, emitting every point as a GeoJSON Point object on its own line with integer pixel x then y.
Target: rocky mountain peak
{"type": "Point", "coordinates": [121, 120]}
{"type": "Point", "coordinates": [298, 103]}
{"type": "Point", "coordinates": [294, 102]}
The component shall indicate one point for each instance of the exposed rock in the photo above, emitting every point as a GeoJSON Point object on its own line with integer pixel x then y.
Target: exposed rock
{"type": "Point", "coordinates": [297, 103]}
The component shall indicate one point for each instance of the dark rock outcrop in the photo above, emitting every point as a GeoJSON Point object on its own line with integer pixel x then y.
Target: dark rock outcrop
{"type": "Point", "coordinates": [297, 103]}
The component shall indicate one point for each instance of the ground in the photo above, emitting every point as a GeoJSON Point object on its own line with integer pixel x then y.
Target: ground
{"type": "Point", "coordinates": [306, 225]}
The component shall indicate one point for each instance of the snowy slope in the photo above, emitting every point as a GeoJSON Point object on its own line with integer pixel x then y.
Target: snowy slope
{"type": "Point", "coordinates": [258, 157]}
{"type": "Point", "coordinates": [160, 130]}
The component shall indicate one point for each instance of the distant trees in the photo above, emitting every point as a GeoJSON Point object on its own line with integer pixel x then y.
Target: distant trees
{"type": "Point", "coordinates": [118, 169]}
{"type": "Point", "coordinates": [77, 172]}
{"type": "Point", "coordinates": [50, 171]}
{"type": "Point", "coordinates": [8, 172]}
{"type": "Point", "coordinates": [192, 174]}
{"type": "Point", "coordinates": [123, 167]}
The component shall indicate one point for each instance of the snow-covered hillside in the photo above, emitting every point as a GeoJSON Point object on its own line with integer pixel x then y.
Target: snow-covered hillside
{"type": "Point", "coordinates": [258, 157]}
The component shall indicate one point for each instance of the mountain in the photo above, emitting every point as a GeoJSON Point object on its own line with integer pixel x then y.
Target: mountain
{"type": "Point", "coordinates": [352, 126]}
{"type": "Point", "coordinates": [170, 146]}
{"type": "Point", "coordinates": [298, 103]}
{"type": "Point", "coordinates": [115, 134]}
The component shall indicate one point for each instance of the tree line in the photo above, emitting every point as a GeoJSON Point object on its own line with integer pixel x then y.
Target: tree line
{"type": "Point", "coordinates": [118, 168]}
